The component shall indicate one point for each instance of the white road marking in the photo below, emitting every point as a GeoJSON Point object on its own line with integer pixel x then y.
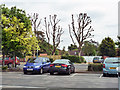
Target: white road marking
{"type": "Point", "coordinates": [101, 76]}
{"type": "Point", "coordinates": [7, 86]}
{"type": "Point", "coordinates": [73, 75]}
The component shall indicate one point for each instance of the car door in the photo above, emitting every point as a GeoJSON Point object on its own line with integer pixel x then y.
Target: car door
{"type": "Point", "coordinates": [46, 64]}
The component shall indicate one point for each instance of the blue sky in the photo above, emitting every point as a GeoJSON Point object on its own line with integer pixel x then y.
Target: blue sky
{"type": "Point", "coordinates": [104, 14]}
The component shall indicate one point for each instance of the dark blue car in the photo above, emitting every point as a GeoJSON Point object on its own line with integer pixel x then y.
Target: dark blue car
{"type": "Point", "coordinates": [37, 65]}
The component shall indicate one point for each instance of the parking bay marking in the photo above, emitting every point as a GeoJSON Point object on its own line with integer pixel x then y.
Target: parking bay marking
{"type": "Point", "coordinates": [7, 86]}
{"type": "Point", "coordinates": [101, 76]}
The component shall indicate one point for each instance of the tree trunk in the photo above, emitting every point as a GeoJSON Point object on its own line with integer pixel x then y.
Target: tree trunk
{"type": "Point", "coordinates": [79, 54]}
{"type": "Point", "coordinates": [3, 62]}
{"type": "Point", "coordinates": [14, 60]}
{"type": "Point", "coordinates": [34, 54]}
{"type": "Point", "coordinates": [53, 53]}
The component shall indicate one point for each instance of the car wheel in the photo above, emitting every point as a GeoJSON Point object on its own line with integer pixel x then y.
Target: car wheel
{"type": "Point", "coordinates": [73, 70]}
{"type": "Point", "coordinates": [51, 73]}
{"type": "Point", "coordinates": [25, 72]}
{"type": "Point", "coordinates": [105, 75]}
{"type": "Point", "coordinates": [41, 71]}
{"type": "Point", "coordinates": [68, 71]}
{"type": "Point", "coordinates": [118, 74]}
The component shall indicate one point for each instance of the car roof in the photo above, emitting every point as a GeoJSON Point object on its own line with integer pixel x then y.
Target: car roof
{"type": "Point", "coordinates": [112, 57]}
{"type": "Point", "coordinates": [63, 59]}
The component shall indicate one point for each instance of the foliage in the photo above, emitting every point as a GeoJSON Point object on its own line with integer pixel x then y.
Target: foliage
{"type": "Point", "coordinates": [74, 59]}
{"type": "Point", "coordinates": [118, 44]}
{"type": "Point", "coordinates": [107, 47]}
{"type": "Point", "coordinates": [89, 49]}
{"type": "Point", "coordinates": [4, 67]}
{"type": "Point", "coordinates": [51, 60]}
{"type": "Point", "coordinates": [17, 36]}
{"type": "Point", "coordinates": [95, 67]}
{"type": "Point", "coordinates": [63, 52]}
{"type": "Point", "coordinates": [72, 47]}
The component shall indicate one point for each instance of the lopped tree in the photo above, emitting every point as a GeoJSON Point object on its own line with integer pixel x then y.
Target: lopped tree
{"type": "Point", "coordinates": [53, 32]}
{"type": "Point", "coordinates": [82, 31]}
{"type": "Point", "coordinates": [35, 21]}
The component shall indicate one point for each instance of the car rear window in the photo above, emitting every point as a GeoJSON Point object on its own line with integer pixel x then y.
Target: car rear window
{"type": "Point", "coordinates": [112, 60]}
{"type": "Point", "coordinates": [61, 61]}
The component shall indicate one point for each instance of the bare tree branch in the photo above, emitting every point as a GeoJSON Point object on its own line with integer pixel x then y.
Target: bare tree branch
{"type": "Point", "coordinates": [81, 33]}
{"type": "Point", "coordinates": [54, 32]}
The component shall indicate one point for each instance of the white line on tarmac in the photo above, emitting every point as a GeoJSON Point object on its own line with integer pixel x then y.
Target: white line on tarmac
{"type": "Point", "coordinates": [7, 86]}
{"type": "Point", "coordinates": [73, 75]}
{"type": "Point", "coordinates": [101, 76]}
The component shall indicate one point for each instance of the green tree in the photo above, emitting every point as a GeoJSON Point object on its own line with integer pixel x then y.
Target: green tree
{"type": "Point", "coordinates": [107, 47]}
{"type": "Point", "coordinates": [89, 48]}
{"type": "Point", "coordinates": [17, 36]}
{"type": "Point", "coordinates": [72, 47]}
{"type": "Point", "coordinates": [118, 44]}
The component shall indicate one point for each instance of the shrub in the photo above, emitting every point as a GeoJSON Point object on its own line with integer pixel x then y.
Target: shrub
{"type": "Point", "coordinates": [5, 68]}
{"type": "Point", "coordinates": [95, 67]}
{"type": "Point", "coordinates": [85, 62]}
{"type": "Point", "coordinates": [51, 60]}
{"type": "Point", "coordinates": [74, 59]}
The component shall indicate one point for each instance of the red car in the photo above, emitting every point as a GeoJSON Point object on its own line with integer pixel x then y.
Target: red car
{"type": "Point", "coordinates": [10, 61]}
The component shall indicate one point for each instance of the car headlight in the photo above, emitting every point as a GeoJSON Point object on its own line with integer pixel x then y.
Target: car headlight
{"type": "Point", "coordinates": [37, 66]}
{"type": "Point", "coordinates": [24, 66]}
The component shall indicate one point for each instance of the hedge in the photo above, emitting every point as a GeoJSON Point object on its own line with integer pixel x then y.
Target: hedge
{"type": "Point", "coordinates": [95, 67]}
{"type": "Point", "coordinates": [74, 59]}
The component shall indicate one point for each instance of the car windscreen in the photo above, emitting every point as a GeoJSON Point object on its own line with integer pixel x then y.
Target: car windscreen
{"type": "Point", "coordinates": [35, 60]}
{"type": "Point", "coordinates": [61, 61]}
{"type": "Point", "coordinates": [112, 60]}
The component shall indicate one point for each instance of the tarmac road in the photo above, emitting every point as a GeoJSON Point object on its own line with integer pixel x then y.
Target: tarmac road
{"type": "Point", "coordinates": [76, 80]}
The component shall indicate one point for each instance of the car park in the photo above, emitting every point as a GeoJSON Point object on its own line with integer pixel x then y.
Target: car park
{"type": "Point", "coordinates": [37, 65]}
{"type": "Point", "coordinates": [110, 65]}
{"type": "Point", "coordinates": [62, 66]}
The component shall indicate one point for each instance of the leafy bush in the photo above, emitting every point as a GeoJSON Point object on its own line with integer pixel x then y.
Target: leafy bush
{"type": "Point", "coordinates": [74, 59]}
{"type": "Point", "coordinates": [5, 68]}
{"type": "Point", "coordinates": [95, 67]}
{"type": "Point", "coordinates": [85, 62]}
{"type": "Point", "coordinates": [51, 59]}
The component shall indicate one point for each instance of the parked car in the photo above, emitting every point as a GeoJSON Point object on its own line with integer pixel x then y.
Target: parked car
{"type": "Point", "coordinates": [10, 61]}
{"type": "Point", "coordinates": [118, 70]}
{"type": "Point", "coordinates": [37, 65]}
{"type": "Point", "coordinates": [62, 66]}
{"type": "Point", "coordinates": [97, 60]}
{"type": "Point", "coordinates": [110, 65]}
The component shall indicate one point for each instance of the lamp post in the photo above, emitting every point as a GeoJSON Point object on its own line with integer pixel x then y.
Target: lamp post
{"type": "Point", "coordinates": [37, 51]}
